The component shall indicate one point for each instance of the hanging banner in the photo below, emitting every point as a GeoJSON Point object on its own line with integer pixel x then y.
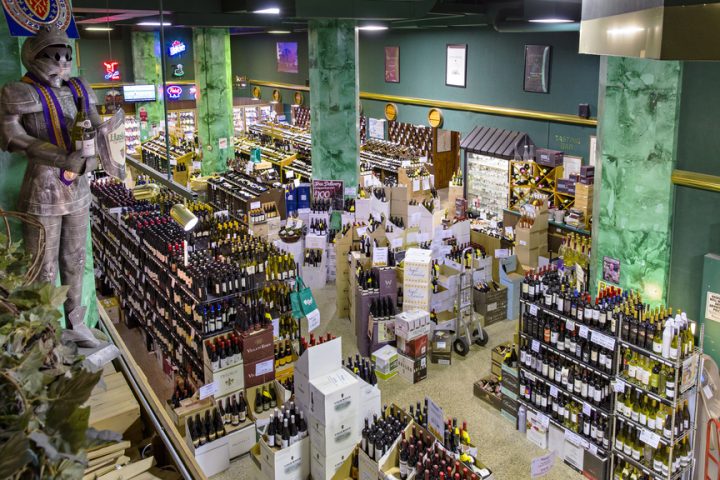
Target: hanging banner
{"type": "Point", "coordinates": [26, 17]}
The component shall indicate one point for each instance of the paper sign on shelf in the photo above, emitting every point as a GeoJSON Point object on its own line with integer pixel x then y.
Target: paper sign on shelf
{"type": "Point", "coordinates": [587, 409]}
{"type": "Point", "coordinates": [543, 420]}
{"type": "Point", "coordinates": [619, 386]}
{"type": "Point", "coordinates": [533, 310]}
{"type": "Point", "coordinates": [553, 391]}
{"type": "Point", "coordinates": [540, 466]}
{"type": "Point", "coordinates": [536, 346]}
{"type": "Point", "coordinates": [396, 242]}
{"type": "Point", "coordinates": [649, 438]}
{"type": "Point", "coordinates": [208, 390]}
{"type": "Point", "coordinates": [254, 205]}
{"type": "Point", "coordinates": [261, 368]}
{"type": "Point", "coordinates": [502, 253]}
{"type": "Point", "coordinates": [276, 327]}
{"type": "Point", "coordinates": [436, 419]}
{"type": "Point", "coordinates": [313, 319]}
{"type": "Point", "coordinates": [416, 185]}
{"type": "Point", "coordinates": [380, 256]}
{"type": "Point", "coordinates": [583, 331]}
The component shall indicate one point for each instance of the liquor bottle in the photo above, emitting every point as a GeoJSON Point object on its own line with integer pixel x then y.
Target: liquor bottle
{"type": "Point", "coordinates": [82, 137]}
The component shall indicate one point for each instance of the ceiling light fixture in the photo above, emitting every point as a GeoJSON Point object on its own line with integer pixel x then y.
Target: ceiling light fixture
{"type": "Point", "coordinates": [154, 24]}
{"type": "Point", "coordinates": [373, 28]}
{"type": "Point", "coordinates": [268, 11]}
{"type": "Point", "coordinates": [279, 32]}
{"type": "Point", "coordinates": [551, 20]}
{"type": "Point", "coordinates": [99, 29]}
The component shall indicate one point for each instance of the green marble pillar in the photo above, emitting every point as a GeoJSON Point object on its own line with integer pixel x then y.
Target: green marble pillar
{"type": "Point", "coordinates": [214, 97]}
{"type": "Point", "coordinates": [12, 168]}
{"type": "Point", "coordinates": [146, 52]}
{"type": "Point", "coordinates": [637, 140]}
{"type": "Point", "coordinates": [333, 52]}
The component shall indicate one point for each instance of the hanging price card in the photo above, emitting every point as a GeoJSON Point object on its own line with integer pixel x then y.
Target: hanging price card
{"type": "Point", "coordinates": [650, 438]}
{"type": "Point", "coordinates": [553, 391]}
{"type": "Point", "coordinates": [583, 331]}
{"type": "Point", "coordinates": [533, 310]}
{"type": "Point", "coordinates": [536, 346]}
{"type": "Point", "coordinates": [569, 325]}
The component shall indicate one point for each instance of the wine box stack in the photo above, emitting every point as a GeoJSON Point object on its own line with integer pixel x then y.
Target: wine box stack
{"type": "Point", "coordinates": [315, 277]}
{"type": "Point", "coordinates": [412, 330]}
{"type": "Point", "coordinates": [344, 276]}
{"type": "Point", "coordinates": [532, 242]}
{"type": "Point", "coordinates": [331, 263]}
{"type": "Point", "coordinates": [416, 280]}
{"type": "Point", "coordinates": [258, 352]}
{"type": "Point", "coordinates": [510, 389]}
{"type": "Point", "coordinates": [492, 305]}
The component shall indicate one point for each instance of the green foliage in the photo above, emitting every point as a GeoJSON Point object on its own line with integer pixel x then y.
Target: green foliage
{"type": "Point", "coordinates": [43, 427]}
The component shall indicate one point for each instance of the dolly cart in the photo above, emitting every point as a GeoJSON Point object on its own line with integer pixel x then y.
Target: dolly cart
{"type": "Point", "coordinates": [469, 329]}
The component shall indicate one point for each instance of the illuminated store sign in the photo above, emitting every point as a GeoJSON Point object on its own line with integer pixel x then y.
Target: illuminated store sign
{"type": "Point", "coordinates": [174, 92]}
{"type": "Point", "coordinates": [112, 70]}
{"type": "Point", "coordinates": [176, 47]}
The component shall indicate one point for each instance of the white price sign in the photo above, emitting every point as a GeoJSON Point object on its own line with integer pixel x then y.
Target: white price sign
{"type": "Point", "coordinates": [569, 325]}
{"type": "Point", "coordinates": [603, 340]}
{"type": "Point", "coordinates": [536, 346]}
{"type": "Point", "coordinates": [553, 391]}
{"type": "Point", "coordinates": [533, 310]}
{"type": "Point", "coordinates": [583, 331]}
{"type": "Point", "coordinates": [543, 420]}
{"type": "Point", "coordinates": [540, 466]}
{"type": "Point", "coordinates": [436, 419]}
{"type": "Point", "coordinates": [587, 409]}
{"type": "Point", "coordinates": [380, 256]}
{"type": "Point", "coordinates": [649, 438]}
{"type": "Point", "coordinates": [208, 390]}
{"type": "Point", "coordinates": [619, 386]}
{"type": "Point", "coordinates": [575, 439]}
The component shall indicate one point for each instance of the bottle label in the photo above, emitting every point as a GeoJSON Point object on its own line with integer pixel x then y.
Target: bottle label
{"type": "Point", "coordinates": [88, 148]}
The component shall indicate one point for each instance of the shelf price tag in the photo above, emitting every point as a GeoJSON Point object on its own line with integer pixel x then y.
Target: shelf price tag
{"type": "Point", "coordinates": [543, 420]}
{"type": "Point", "coordinates": [649, 438]}
{"type": "Point", "coordinates": [208, 390]}
{"type": "Point", "coordinates": [587, 409]}
{"type": "Point", "coordinates": [619, 386]}
{"type": "Point", "coordinates": [583, 331]}
{"type": "Point", "coordinates": [603, 340]}
{"type": "Point", "coordinates": [533, 310]}
{"type": "Point", "coordinates": [569, 324]}
{"type": "Point", "coordinates": [536, 346]}
{"type": "Point", "coordinates": [553, 391]}
{"type": "Point", "coordinates": [574, 438]}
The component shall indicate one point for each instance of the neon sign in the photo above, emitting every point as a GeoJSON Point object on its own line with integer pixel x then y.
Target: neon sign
{"type": "Point", "coordinates": [174, 92]}
{"type": "Point", "coordinates": [112, 70]}
{"type": "Point", "coordinates": [176, 47]}
{"type": "Point", "coordinates": [193, 92]}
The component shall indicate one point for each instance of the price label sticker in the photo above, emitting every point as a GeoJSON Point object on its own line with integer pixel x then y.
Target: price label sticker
{"type": "Point", "coordinates": [569, 325]}
{"type": "Point", "coordinates": [543, 420]}
{"type": "Point", "coordinates": [603, 340]}
{"type": "Point", "coordinates": [619, 386]}
{"type": "Point", "coordinates": [530, 376]}
{"type": "Point", "coordinates": [533, 310]}
{"type": "Point", "coordinates": [553, 391]}
{"type": "Point", "coordinates": [587, 409]}
{"type": "Point", "coordinates": [208, 390]}
{"type": "Point", "coordinates": [536, 346]}
{"type": "Point", "coordinates": [573, 438]}
{"type": "Point", "coordinates": [649, 438]}
{"type": "Point", "coordinates": [583, 331]}
{"type": "Point", "coordinates": [593, 449]}
{"type": "Point", "coordinates": [261, 368]}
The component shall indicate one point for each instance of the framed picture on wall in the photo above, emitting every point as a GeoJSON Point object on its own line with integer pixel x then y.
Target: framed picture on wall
{"type": "Point", "coordinates": [287, 57]}
{"type": "Point", "coordinates": [392, 64]}
{"type": "Point", "coordinates": [456, 65]}
{"type": "Point", "coordinates": [537, 69]}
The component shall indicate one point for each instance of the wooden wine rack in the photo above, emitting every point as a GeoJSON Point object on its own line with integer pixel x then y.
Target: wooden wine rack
{"type": "Point", "coordinates": [538, 178]}
{"type": "Point", "coordinates": [416, 136]}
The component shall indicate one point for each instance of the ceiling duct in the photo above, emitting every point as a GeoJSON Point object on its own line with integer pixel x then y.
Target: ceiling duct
{"type": "Point", "coordinates": [657, 29]}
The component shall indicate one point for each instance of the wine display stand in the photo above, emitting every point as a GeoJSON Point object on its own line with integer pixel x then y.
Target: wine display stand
{"type": "Point", "coordinates": [611, 412]}
{"type": "Point", "coordinates": [487, 184]}
{"type": "Point", "coordinates": [417, 137]}
{"type": "Point", "coordinates": [528, 177]}
{"type": "Point", "coordinates": [182, 124]}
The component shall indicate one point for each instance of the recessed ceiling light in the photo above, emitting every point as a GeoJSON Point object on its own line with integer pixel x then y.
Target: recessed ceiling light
{"type": "Point", "coordinates": [551, 20]}
{"type": "Point", "coordinates": [268, 11]}
{"type": "Point", "coordinates": [99, 29]}
{"type": "Point", "coordinates": [154, 24]}
{"type": "Point", "coordinates": [372, 28]}
{"type": "Point", "coordinates": [279, 32]}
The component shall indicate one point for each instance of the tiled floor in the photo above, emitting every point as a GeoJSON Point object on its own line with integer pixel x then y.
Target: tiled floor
{"type": "Point", "coordinates": [500, 447]}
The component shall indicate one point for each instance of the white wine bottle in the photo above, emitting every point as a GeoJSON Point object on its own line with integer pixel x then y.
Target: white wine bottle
{"type": "Point", "coordinates": [81, 135]}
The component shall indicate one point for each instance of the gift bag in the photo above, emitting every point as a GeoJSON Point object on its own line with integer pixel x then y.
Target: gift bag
{"type": "Point", "coordinates": [303, 304]}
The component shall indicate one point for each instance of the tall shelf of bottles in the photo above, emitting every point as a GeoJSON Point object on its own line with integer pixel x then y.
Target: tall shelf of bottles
{"type": "Point", "coordinates": [611, 389]}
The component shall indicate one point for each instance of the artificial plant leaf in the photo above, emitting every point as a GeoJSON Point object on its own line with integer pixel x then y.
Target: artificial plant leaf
{"type": "Point", "coordinates": [52, 295]}
{"type": "Point", "coordinates": [14, 452]}
{"type": "Point", "coordinates": [72, 427]}
{"type": "Point", "coordinates": [43, 441]}
{"type": "Point", "coordinates": [28, 373]}
{"type": "Point", "coordinates": [70, 391]}
{"type": "Point", "coordinates": [24, 297]}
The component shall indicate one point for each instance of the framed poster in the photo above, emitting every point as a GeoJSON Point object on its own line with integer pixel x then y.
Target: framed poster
{"type": "Point", "coordinates": [537, 69]}
{"type": "Point", "coordinates": [456, 65]}
{"type": "Point", "coordinates": [392, 64]}
{"type": "Point", "coordinates": [287, 57]}
{"type": "Point", "coordinates": [611, 270]}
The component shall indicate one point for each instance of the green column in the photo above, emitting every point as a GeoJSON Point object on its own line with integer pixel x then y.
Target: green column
{"type": "Point", "coordinates": [637, 140]}
{"type": "Point", "coordinates": [12, 168]}
{"type": "Point", "coordinates": [334, 103]}
{"type": "Point", "coordinates": [146, 52]}
{"type": "Point", "coordinates": [214, 97]}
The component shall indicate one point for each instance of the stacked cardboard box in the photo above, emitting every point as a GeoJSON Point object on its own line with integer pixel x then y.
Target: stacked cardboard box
{"type": "Point", "coordinates": [510, 391]}
{"type": "Point", "coordinates": [418, 187]}
{"type": "Point", "coordinates": [412, 330]}
{"type": "Point", "coordinates": [497, 357]}
{"type": "Point", "coordinates": [492, 305]}
{"type": "Point", "coordinates": [584, 199]}
{"type": "Point", "coordinates": [416, 280]}
{"type": "Point", "coordinates": [258, 352]}
{"type": "Point", "coordinates": [386, 362]}
{"type": "Point", "coordinates": [441, 348]}
{"type": "Point", "coordinates": [399, 199]}
{"type": "Point", "coordinates": [532, 242]}
{"type": "Point", "coordinates": [343, 244]}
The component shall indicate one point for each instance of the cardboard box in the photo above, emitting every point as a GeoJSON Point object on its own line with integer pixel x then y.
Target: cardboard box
{"type": "Point", "coordinates": [112, 308]}
{"type": "Point", "coordinates": [323, 466]}
{"type": "Point", "coordinates": [490, 398]}
{"type": "Point", "coordinates": [537, 430]}
{"type": "Point", "coordinates": [314, 363]}
{"type": "Point", "coordinates": [333, 396]}
{"type": "Point", "coordinates": [291, 463]}
{"type": "Point", "coordinates": [213, 457]}
{"type": "Point", "coordinates": [496, 369]}
{"type": "Point", "coordinates": [228, 380]}
{"type": "Point", "coordinates": [412, 369]}
{"type": "Point", "coordinates": [440, 358]}
{"type": "Point", "coordinates": [370, 403]}
{"type": "Point", "coordinates": [412, 324]}
{"type": "Point", "coordinates": [441, 342]}
{"type": "Point", "coordinates": [259, 372]}
{"type": "Point", "coordinates": [484, 302]}
{"type": "Point", "coordinates": [548, 158]}
{"type": "Point", "coordinates": [340, 434]}
{"type": "Point", "coordinates": [414, 348]}
{"type": "Point", "coordinates": [386, 362]}
{"type": "Point", "coordinates": [256, 345]}
{"type": "Point", "coordinates": [241, 441]}
{"type": "Point", "coordinates": [510, 379]}
{"type": "Point", "coordinates": [498, 352]}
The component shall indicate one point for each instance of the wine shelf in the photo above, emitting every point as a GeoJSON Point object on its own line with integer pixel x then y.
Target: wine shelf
{"type": "Point", "coordinates": [563, 354]}
{"type": "Point", "coordinates": [664, 440]}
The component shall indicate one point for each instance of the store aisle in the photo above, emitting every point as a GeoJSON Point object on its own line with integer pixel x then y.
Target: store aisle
{"type": "Point", "coordinates": [503, 449]}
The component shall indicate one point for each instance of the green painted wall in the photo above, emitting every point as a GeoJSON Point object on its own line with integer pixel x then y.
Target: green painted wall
{"type": "Point", "coordinates": [696, 223]}
{"type": "Point", "coordinates": [495, 77]}
{"type": "Point", "coordinates": [94, 50]}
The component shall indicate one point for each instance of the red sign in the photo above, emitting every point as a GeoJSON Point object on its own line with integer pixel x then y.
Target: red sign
{"type": "Point", "coordinates": [112, 70]}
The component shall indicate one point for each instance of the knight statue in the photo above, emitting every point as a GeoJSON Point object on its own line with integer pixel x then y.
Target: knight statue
{"type": "Point", "coordinates": [36, 115]}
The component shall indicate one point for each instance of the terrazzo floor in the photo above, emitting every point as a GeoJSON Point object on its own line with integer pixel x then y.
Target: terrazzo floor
{"type": "Point", "coordinates": [504, 450]}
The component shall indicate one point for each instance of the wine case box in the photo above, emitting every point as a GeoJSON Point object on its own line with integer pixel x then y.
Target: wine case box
{"type": "Point", "coordinates": [112, 308]}
{"type": "Point", "coordinates": [186, 410]}
{"type": "Point", "coordinates": [510, 379]}
{"type": "Point", "coordinates": [228, 380]}
{"type": "Point", "coordinates": [257, 344]}
{"type": "Point", "coordinates": [386, 362]}
{"type": "Point", "coordinates": [411, 369]}
{"type": "Point", "coordinates": [549, 158]}
{"type": "Point", "coordinates": [440, 358]}
{"type": "Point", "coordinates": [491, 399]}
{"type": "Point", "coordinates": [323, 466]}
{"type": "Point", "coordinates": [499, 352]}
{"type": "Point", "coordinates": [496, 369]}
{"type": "Point", "coordinates": [259, 372]}
{"type": "Point", "coordinates": [497, 315]}
{"type": "Point", "coordinates": [415, 348]}
{"type": "Point", "coordinates": [213, 457]}
{"type": "Point", "coordinates": [291, 463]}
{"type": "Point", "coordinates": [339, 435]}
